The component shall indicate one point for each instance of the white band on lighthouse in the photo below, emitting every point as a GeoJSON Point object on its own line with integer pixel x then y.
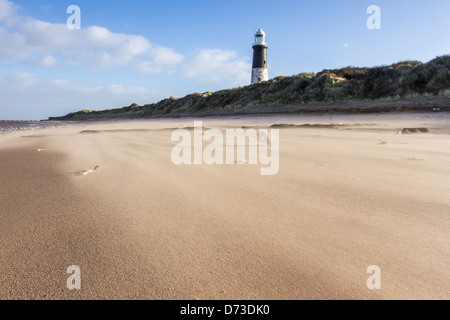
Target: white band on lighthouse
{"type": "Point", "coordinates": [259, 74]}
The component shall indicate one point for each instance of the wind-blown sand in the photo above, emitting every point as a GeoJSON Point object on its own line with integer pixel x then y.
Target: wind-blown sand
{"type": "Point", "coordinates": [141, 227]}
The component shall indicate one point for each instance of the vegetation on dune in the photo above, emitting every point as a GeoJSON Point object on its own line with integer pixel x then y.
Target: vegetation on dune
{"type": "Point", "coordinates": [405, 79]}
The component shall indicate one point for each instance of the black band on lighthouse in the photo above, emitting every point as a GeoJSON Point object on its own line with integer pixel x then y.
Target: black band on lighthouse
{"type": "Point", "coordinates": [259, 57]}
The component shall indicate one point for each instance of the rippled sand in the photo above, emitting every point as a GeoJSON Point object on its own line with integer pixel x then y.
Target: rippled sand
{"type": "Point", "coordinates": [350, 193]}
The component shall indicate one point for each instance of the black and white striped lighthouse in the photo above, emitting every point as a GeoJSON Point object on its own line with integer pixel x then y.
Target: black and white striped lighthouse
{"type": "Point", "coordinates": [259, 69]}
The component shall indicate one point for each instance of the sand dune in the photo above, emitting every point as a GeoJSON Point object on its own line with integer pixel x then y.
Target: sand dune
{"type": "Point", "coordinates": [143, 228]}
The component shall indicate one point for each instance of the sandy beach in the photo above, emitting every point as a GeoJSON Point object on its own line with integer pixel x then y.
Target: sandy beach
{"type": "Point", "coordinates": [348, 195]}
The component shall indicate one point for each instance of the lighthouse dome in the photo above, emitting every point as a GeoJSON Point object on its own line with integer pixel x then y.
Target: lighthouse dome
{"type": "Point", "coordinates": [260, 37]}
{"type": "Point", "coordinates": [260, 32]}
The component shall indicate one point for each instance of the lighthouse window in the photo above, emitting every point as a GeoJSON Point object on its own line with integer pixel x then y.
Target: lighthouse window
{"type": "Point", "coordinates": [259, 39]}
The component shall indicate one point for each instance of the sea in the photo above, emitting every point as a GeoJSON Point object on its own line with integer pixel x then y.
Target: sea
{"type": "Point", "coordinates": [11, 126]}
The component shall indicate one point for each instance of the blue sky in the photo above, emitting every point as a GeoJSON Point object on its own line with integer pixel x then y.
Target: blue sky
{"type": "Point", "coordinates": [144, 51]}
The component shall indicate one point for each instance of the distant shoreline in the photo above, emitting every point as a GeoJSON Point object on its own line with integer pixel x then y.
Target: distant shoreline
{"type": "Point", "coordinates": [10, 126]}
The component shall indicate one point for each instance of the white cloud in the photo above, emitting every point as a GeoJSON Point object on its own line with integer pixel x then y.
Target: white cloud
{"type": "Point", "coordinates": [49, 61]}
{"type": "Point", "coordinates": [216, 65]}
{"type": "Point", "coordinates": [162, 58]}
{"type": "Point", "coordinates": [166, 57]}
{"type": "Point", "coordinates": [98, 47]}
{"type": "Point", "coordinates": [93, 44]}
{"type": "Point", "coordinates": [346, 45]}
{"type": "Point", "coordinates": [8, 11]}
{"type": "Point", "coordinates": [27, 96]}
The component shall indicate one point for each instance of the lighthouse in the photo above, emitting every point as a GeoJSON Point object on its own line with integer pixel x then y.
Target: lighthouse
{"type": "Point", "coordinates": [259, 69]}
